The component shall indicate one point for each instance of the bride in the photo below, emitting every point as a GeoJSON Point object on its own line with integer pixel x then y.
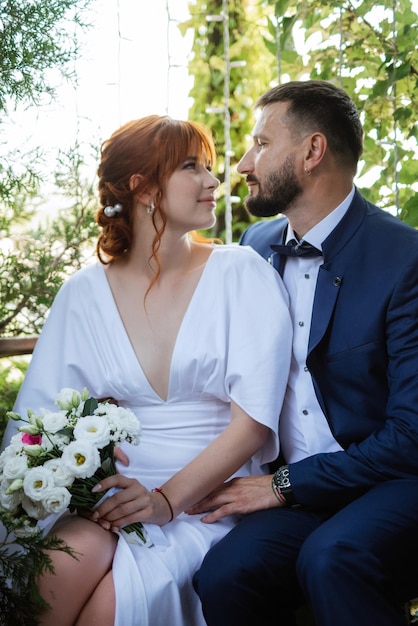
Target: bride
{"type": "Point", "coordinates": [195, 338]}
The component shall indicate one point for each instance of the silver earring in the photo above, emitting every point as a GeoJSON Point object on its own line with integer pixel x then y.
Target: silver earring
{"type": "Point", "coordinates": [150, 208]}
{"type": "Point", "coordinates": [111, 211]}
{"type": "Point", "coordinates": [308, 172]}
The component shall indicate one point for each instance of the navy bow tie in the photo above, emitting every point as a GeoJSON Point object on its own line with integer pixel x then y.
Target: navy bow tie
{"type": "Point", "coordinates": [293, 248]}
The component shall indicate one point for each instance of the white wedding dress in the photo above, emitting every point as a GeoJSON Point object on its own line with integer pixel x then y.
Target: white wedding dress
{"type": "Point", "coordinates": [234, 343]}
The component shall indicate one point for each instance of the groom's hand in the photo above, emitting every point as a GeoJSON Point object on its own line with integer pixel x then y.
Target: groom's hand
{"type": "Point", "coordinates": [237, 496]}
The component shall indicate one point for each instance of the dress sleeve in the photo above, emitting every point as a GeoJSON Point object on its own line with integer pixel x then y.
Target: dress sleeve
{"type": "Point", "coordinates": [65, 354]}
{"type": "Point", "coordinates": [260, 335]}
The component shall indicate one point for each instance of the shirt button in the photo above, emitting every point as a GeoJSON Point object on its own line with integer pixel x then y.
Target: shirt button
{"type": "Point", "coordinates": [301, 323]}
{"type": "Point", "coordinates": [307, 276]}
{"type": "Point", "coordinates": [305, 412]}
{"type": "Point", "coordinates": [306, 369]}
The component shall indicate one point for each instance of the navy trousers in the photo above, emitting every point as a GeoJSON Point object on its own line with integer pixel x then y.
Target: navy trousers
{"type": "Point", "coordinates": [357, 566]}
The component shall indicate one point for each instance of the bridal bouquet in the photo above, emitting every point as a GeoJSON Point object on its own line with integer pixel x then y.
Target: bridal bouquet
{"type": "Point", "coordinates": [58, 456]}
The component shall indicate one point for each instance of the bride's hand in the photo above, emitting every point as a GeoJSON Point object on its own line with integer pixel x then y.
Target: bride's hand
{"type": "Point", "coordinates": [133, 503]}
{"type": "Point", "coordinates": [121, 456]}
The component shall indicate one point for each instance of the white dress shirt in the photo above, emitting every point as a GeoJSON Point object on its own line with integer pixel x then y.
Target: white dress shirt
{"type": "Point", "coordinates": [304, 429]}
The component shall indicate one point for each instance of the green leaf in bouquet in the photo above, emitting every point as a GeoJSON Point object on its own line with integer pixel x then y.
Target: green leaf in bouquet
{"type": "Point", "coordinates": [82, 496]}
{"type": "Point", "coordinates": [66, 432]}
{"type": "Point", "coordinates": [90, 406]}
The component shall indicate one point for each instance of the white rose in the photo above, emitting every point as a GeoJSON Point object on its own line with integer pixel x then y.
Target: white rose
{"type": "Point", "coordinates": [81, 458]}
{"type": "Point", "coordinates": [57, 500]}
{"type": "Point", "coordinates": [37, 482]}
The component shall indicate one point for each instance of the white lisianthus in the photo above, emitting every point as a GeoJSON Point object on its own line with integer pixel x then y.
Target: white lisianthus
{"type": "Point", "coordinates": [13, 416]}
{"type": "Point", "coordinates": [93, 428]}
{"type": "Point", "coordinates": [45, 472]}
{"type": "Point", "coordinates": [34, 509]}
{"type": "Point", "coordinates": [29, 429]}
{"type": "Point", "coordinates": [14, 446]}
{"type": "Point", "coordinates": [131, 427]}
{"type": "Point", "coordinates": [62, 476]}
{"type": "Point", "coordinates": [28, 529]}
{"type": "Point", "coordinates": [16, 467]}
{"type": "Point", "coordinates": [9, 501]}
{"type": "Point", "coordinates": [125, 425]}
{"type": "Point", "coordinates": [33, 450]}
{"type": "Point", "coordinates": [81, 458]}
{"type": "Point", "coordinates": [54, 420]}
{"type": "Point", "coordinates": [34, 420]}
{"type": "Point", "coordinates": [14, 485]}
{"type": "Point", "coordinates": [4, 459]}
{"type": "Point", "coordinates": [55, 441]}
{"type": "Point", "coordinates": [57, 500]}
{"type": "Point", "coordinates": [68, 399]}
{"type": "Point", "coordinates": [37, 482]}
{"type": "Point", "coordinates": [12, 450]}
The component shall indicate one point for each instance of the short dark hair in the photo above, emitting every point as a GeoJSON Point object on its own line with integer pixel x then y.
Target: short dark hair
{"type": "Point", "coordinates": [318, 105]}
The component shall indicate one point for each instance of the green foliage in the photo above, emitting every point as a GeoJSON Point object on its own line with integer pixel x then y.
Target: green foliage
{"type": "Point", "coordinates": [34, 37]}
{"type": "Point", "coordinates": [12, 372]}
{"type": "Point", "coordinates": [17, 186]}
{"type": "Point", "coordinates": [36, 47]}
{"type": "Point", "coordinates": [37, 261]}
{"type": "Point", "coordinates": [20, 565]}
{"type": "Point", "coordinates": [246, 28]}
{"type": "Point", "coordinates": [375, 60]}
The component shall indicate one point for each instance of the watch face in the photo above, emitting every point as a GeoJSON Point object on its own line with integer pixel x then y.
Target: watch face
{"type": "Point", "coordinates": [284, 480]}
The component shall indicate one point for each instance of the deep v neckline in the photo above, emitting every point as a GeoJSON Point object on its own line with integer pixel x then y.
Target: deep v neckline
{"type": "Point", "coordinates": [178, 335]}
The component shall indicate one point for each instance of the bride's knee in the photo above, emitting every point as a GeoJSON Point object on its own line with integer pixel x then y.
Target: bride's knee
{"type": "Point", "coordinates": [87, 540]}
{"type": "Point", "coordinates": [90, 557]}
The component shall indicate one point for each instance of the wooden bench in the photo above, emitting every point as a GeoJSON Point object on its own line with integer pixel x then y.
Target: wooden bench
{"type": "Point", "coordinates": [15, 346]}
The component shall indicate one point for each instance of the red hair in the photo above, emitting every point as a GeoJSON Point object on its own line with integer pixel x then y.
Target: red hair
{"type": "Point", "coordinates": [151, 147]}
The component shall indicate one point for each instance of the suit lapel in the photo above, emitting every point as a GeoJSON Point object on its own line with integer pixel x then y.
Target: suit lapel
{"type": "Point", "coordinates": [331, 273]}
{"type": "Point", "coordinates": [326, 294]}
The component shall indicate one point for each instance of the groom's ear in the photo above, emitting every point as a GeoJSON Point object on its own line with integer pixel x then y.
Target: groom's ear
{"type": "Point", "coordinates": [315, 148]}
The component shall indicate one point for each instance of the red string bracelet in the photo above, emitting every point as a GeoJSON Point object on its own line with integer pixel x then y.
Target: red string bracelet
{"type": "Point", "coordinates": [159, 490]}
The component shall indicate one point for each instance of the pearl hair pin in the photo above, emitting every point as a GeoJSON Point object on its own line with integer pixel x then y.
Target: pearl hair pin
{"type": "Point", "coordinates": [111, 211]}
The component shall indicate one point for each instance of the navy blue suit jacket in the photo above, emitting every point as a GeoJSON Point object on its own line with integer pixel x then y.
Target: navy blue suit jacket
{"type": "Point", "coordinates": [362, 354]}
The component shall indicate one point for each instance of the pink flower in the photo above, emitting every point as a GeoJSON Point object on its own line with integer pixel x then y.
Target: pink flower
{"type": "Point", "coordinates": [31, 440]}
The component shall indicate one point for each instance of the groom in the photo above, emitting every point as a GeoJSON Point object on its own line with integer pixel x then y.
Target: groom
{"type": "Point", "coordinates": [337, 523]}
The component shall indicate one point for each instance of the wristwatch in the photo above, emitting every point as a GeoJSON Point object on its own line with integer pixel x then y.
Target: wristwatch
{"type": "Point", "coordinates": [281, 480]}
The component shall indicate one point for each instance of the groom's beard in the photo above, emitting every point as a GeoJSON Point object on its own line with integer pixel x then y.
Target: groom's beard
{"type": "Point", "coordinates": [278, 192]}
